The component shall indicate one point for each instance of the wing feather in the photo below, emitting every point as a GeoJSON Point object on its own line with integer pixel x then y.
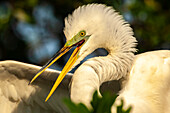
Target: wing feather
{"type": "Point", "coordinates": [16, 96]}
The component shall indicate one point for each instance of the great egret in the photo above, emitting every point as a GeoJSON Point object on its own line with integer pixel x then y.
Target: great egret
{"type": "Point", "coordinates": [88, 28]}
{"type": "Point", "coordinates": [16, 96]}
{"type": "Point", "coordinates": [147, 89]}
{"type": "Point", "coordinates": [98, 26]}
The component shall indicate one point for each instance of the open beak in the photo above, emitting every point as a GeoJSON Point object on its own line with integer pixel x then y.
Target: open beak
{"type": "Point", "coordinates": [67, 67]}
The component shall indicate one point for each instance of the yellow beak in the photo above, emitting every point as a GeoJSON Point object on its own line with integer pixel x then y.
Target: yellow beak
{"type": "Point", "coordinates": [67, 67]}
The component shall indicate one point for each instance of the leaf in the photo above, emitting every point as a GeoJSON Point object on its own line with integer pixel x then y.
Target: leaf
{"type": "Point", "coordinates": [102, 104]}
{"type": "Point", "coordinates": [96, 100]}
{"type": "Point", "coordinates": [121, 110]}
{"type": "Point", "coordinates": [76, 108]}
{"type": "Point", "coordinates": [99, 104]}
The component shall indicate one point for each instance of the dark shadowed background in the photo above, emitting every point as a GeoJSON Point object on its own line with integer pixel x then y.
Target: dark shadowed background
{"type": "Point", "coordinates": [31, 31]}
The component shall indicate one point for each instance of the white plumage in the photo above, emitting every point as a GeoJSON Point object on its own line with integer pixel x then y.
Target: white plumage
{"type": "Point", "coordinates": [147, 87]}
{"type": "Point", "coordinates": [108, 30]}
{"type": "Point", "coordinates": [16, 96]}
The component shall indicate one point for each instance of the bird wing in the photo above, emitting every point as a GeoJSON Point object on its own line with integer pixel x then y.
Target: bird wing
{"type": "Point", "coordinates": [147, 89]}
{"type": "Point", "coordinates": [16, 96]}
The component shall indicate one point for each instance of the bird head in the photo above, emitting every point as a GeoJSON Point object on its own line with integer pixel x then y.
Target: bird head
{"type": "Point", "coordinates": [88, 28]}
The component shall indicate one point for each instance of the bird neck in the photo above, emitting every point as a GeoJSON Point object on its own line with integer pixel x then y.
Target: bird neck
{"type": "Point", "coordinates": [92, 73]}
{"type": "Point", "coordinates": [111, 67]}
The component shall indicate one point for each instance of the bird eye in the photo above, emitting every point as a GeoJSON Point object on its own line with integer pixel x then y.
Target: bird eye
{"type": "Point", "coordinates": [82, 33]}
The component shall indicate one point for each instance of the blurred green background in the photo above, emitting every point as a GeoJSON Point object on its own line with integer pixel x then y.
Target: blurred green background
{"type": "Point", "coordinates": [32, 30]}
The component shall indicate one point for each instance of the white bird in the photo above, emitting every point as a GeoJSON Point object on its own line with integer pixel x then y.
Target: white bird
{"type": "Point", "coordinates": [147, 88]}
{"type": "Point", "coordinates": [98, 26]}
{"type": "Point", "coordinates": [16, 96]}
{"type": "Point", "coordinates": [89, 28]}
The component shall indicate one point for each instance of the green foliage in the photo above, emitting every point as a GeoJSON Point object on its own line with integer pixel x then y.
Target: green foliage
{"type": "Point", "coordinates": [76, 108]}
{"type": "Point", "coordinates": [148, 18]}
{"type": "Point", "coordinates": [99, 104]}
{"type": "Point", "coordinates": [121, 110]}
{"type": "Point", "coordinates": [102, 105]}
{"type": "Point", "coordinates": [151, 23]}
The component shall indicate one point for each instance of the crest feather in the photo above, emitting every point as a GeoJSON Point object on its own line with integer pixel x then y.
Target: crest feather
{"type": "Point", "coordinates": [104, 20]}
